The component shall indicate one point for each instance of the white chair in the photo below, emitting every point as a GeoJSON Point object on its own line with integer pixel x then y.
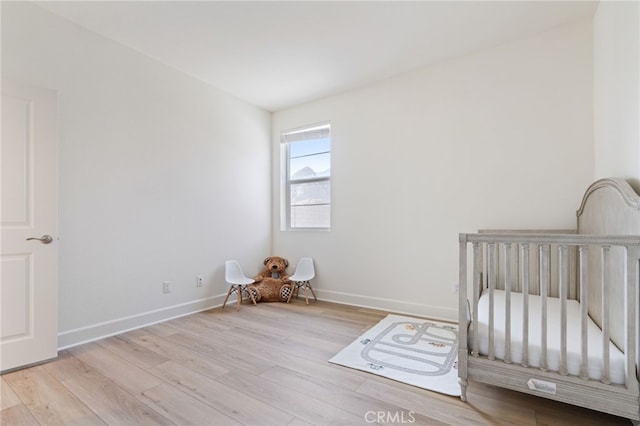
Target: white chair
{"type": "Point", "coordinates": [303, 274]}
{"type": "Point", "coordinates": [239, 281]}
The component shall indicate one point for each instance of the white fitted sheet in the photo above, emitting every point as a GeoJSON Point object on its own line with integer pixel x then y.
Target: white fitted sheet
{"type": "Point", "coordinates": [594, 335]}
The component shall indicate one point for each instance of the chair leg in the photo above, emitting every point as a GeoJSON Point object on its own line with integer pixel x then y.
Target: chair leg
{"type": "Point", "coordinates": [227, 297]}
{"type": "Point", "coordinates": [297, 289]}
{"type": "Point", "coordinates": [312, 292]}
{"type": "Point", "coordinates": [239, 290]}
{"type": "Point", "coordinates": [304, 285]}
{"type": "Point", "coordinates": [253, 299]}
{"type": "Point", "coordinates": [304, 288]}
{"type": "Point", "coordinates": [293, 285]}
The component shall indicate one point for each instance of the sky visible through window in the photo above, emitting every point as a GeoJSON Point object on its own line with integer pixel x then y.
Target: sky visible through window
{"type": "Point", "coordinates": [313, 153]}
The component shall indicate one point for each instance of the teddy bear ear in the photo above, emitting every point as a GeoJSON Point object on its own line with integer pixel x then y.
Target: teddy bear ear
{"type": "Point", "coordinates": [286, 263]}
{"type": "Point", "coordinates": [267, 260]}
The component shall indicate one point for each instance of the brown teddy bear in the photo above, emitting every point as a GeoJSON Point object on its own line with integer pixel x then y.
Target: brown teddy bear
{"type": "Point", "coordinates": [272, 284]}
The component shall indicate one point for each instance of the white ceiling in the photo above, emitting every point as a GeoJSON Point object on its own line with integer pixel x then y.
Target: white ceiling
{"type": "Point", "coordinates": [277, 54]}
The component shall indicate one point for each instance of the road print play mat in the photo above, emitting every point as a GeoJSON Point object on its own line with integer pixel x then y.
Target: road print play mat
{"type": "Point", "coordinates": [418, 352]}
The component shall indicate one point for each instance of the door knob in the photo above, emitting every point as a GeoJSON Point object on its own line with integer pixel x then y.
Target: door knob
{"type": "Point", "coordinates": [45, 239]}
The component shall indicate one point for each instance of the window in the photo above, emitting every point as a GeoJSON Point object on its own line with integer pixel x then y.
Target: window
{"type": "Point", "coordinates": [308, 177]}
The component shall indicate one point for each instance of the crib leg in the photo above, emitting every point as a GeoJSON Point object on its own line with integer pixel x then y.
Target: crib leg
{"type": "Point", "coordinates": [463, 389]}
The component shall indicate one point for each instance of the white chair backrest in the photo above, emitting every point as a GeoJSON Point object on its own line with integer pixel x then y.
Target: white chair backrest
{"type": "Point", "coordinates": [233, 272]}
{"type": "Point", "coordinates": [304, 270]}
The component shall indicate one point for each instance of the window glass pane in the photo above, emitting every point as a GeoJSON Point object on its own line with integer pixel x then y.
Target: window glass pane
{"type": "Point", "coordinates": [310, 193]}
{"type": "Point", "coordinates": [311, 216]}
{"type": "Point", "coordinates": [311, 146]}
{"type": "Point", "coordinates": [310, 166]}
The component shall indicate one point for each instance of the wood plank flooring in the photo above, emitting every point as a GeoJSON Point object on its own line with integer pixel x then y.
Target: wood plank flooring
{"type": "Point", "coordinates": [264, 365]}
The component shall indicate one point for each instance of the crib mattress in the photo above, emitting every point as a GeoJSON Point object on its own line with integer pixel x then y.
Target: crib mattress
{"type": "Point", "coordinates": [574, 357]}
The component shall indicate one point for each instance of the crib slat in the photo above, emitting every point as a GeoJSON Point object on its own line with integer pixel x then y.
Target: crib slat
{"type": "Point", "coordinates": [507, 303]}
{"type": "Point", "coordinates": [463, 327]}
{"type": "Point", "coordinates": [631, 278]}
{"type": "Point", "coordinates": [584, 310]}
{"type": "Point", "coordinates": [543, 277]}
{"type": "Point", "coordinates": [563, 280]}
{"type": "Point", "coordinates": [605, 250]}
{"type": "Point", "coordinates": [477, 266]}
{"type": "Point", "coordinates": [491, 260]}
{"type": "Point", "coordinates": [524, 278]}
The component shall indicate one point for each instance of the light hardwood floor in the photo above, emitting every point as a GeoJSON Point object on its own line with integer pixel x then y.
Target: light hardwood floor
{"type": "Point", "coordinates": [264, 365]}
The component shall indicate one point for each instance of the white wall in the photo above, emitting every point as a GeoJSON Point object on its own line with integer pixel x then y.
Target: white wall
{"type": "Point", "coordinates": [501, 138]}
{"type": "Point", "coordinates": [161, 176]}
{"type": "Point", "coordinates": [617, 90]}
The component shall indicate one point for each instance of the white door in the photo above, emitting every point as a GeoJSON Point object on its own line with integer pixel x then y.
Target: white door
{"type": "Point", "coordinates": [29, 209]}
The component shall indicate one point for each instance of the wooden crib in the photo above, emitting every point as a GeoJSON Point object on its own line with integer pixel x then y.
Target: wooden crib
{"type": "Point", "coordinates": [555, 314]}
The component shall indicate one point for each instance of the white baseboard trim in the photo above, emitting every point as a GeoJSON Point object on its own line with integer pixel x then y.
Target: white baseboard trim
{"type": "Point", "coordinates": [395, 306]}
{"type": "Point", "coordinates": [90, 333]}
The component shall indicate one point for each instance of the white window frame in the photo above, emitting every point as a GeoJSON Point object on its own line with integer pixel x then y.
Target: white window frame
{"type": "Point", "coordinates": [287, 138]}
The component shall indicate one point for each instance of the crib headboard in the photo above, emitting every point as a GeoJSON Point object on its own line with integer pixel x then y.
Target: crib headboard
{"type": "Point", "coordinates": [609, 207]}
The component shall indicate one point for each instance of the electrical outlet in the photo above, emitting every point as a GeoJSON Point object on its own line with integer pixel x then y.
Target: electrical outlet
{"type": "Point", "coordinates": [455, 287]}
{"type": "Point", "coordinates": [199, 281]}
{"type": "Point", "coordinates": [166, 287]}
